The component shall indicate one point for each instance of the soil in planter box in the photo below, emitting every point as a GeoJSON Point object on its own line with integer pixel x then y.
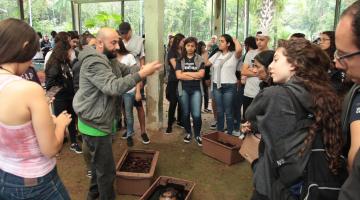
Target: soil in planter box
{"type": "Point", "coordinates": [178, 192]}
{"type": "Point", "coordinates": [226, 144]}
{"type": "Point", "coordinates": [136, 165]}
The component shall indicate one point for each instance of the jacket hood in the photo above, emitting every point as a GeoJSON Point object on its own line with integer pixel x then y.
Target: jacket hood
{"type": "Point", "coordinates": [301, 94]}
{"type": "Point", "coordinates": [89, 51]}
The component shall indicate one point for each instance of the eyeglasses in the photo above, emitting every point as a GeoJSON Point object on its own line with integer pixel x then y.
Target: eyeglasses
{"type": "Point", "coordinates": [342, 58]}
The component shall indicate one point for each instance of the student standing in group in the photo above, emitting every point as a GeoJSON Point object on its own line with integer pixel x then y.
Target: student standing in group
{"type": "Point", "coordinates": [201, 50]}
{"type": "Point", "coordinates": [58, 73]}
{"type": "Point", "coordinates": [252, 81]}
{"type": "Point", "coordinates": [190, 71]}
{"type": "Point", "coordinates": [135, 45]}
{"type": "Point", "coordinates": [224, 79]}
{"type": "Point", "coordinates": [129, 98]}
{"type": "Point", "coordinates": [299, 70]}
{"type": "Point", "coordinates": [172, 85]}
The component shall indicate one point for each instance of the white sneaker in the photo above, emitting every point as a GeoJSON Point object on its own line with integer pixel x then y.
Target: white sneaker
{"type": "Point", "coordinates": [241, 136]}
{"type": "Point", "coordinates": [236, 133]}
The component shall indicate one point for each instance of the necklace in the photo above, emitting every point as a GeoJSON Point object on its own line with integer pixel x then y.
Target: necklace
{"type": "Point", "coordinates": [7, 70]}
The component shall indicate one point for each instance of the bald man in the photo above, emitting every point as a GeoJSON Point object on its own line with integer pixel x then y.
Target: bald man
{"type": "Point", "coordinates": [102, 79]}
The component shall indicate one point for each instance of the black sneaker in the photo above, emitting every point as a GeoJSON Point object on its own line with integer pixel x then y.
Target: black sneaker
{"type": "Point", "coordinates": [76, 148]}
{"type": "Point", "coordinates": [145, 138]}
{"type": "Point", "coordinates": [187, 138]}
{"type": "Point", "coordinates": [168, 130]}
{"type": "Point", "coordinates": [207, 110]}
{"type": "Point", "coordinates": [130, 142]}
{"type": "Point", "coordinates": [179, 124]}
{"type": "Point", "coordinates": [124, 136]}
{"type": "Point", "coordinates": [198, 141]}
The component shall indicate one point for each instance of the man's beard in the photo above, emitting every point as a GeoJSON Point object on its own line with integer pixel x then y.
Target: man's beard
{"type": "Point", "coordinates": [109, 54]}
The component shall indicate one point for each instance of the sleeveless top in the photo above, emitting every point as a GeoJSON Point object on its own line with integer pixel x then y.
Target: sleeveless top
{"type": "Point", "coordinates": [20, 153]}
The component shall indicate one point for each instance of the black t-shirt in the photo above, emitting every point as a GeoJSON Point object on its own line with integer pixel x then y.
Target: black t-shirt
{"type": "Point", "coordinates": [190, 67]}
{"type": "Point", "coordinates": [355, 109]}
{"type": "Point", "coordinates": [172, 75]}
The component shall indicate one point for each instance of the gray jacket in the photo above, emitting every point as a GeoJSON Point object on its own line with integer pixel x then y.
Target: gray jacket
{"type": "Point", "coordinates": [273, 113]}
{"type": "Point", "coordinates": [101, 82]}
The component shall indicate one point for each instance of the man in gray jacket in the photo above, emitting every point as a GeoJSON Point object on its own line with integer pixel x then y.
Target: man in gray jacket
{"type": "Point", "coordinates": [102, 79]}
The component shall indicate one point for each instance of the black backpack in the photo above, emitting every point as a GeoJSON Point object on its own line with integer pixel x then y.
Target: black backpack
{"type": "Point", "coordinates": [305, 177]}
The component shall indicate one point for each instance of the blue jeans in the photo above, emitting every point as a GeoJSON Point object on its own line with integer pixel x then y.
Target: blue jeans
{"type": "Point", "coordinates": [224, 97]}
{"type": "Point", "coordinates": [238, 100]}
{"type": "Point", "coordinates": [46, 187]}
{"type": "Point", "coordinates": [191, 103]}
{"type": "Point", "coordinates": [129, 99]}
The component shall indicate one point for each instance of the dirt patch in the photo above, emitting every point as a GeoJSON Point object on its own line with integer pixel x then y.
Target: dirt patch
{"type": "Point", "coordinates": [136, 165]}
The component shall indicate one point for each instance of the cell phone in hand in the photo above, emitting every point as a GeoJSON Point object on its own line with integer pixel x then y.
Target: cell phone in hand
{"type": "Point", "coordinates": [53, 91]}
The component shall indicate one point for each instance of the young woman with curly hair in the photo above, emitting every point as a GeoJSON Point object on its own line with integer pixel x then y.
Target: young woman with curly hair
{"type": "Point", "coordinates": [299, 70]}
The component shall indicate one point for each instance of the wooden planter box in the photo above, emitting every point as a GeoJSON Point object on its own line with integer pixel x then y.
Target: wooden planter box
{"type": "Point", "coordinates": [223, 147]}
{"type": "Point", "coordinates": [163, 181]}
{"type": "Point", "coordinates": [131, 183]}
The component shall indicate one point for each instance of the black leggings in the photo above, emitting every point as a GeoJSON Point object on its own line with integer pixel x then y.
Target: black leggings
{"type": "Point", "coordinates": [206, 94]}
{"type": "Point", "coordinates": [172, 97]}
{"type": "Point", "coordinates": [246, 102]}
{"type": "Point", "coordinates": [61, 105]}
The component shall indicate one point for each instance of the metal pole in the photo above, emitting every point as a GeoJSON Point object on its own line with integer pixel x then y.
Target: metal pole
{"type": "Point", "coordinates": [122, 11]}
{"type": "Point", "coordinates": [237, 19]}
{"type": "Point", "coordinates": [74, 21]}
{"type": "Point", "coordinates": [78, 20]}
{"type": "Point", "coordinates": [21, 9]}
{"type": "Point", "coordinates": [190, 21]}
{"type": "Point", "coordinates": [223, 16]}
{"type": "Point", "coordinates": [30, 14]}
{"type": "Point", "coordinates": [212, 18]}
{"type": "Point", "coordinates": [337, 13]}
{"type": "Point", "coordinates": [246, 28]}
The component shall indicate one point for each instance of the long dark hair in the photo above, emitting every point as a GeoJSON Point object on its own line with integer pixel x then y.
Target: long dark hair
{"type": "Point", "coordinates": [250, 42]}
{"type": "Point", "coordinates": [177, 39]}
{"type": "Point", "coordinates": [189, 40]}
{"type": "Point", "coordinates": [60, 52]}
{"type": "Point", "coordinates": [229, 39]}
{"type": "Point", "coordinates": [200, 45]}
{"type": "Point", "coordinates": [310, 64]}
{"type": "Point", "coordinates": [19, 42]}
{"type": "Point", "coordinates": [332, 48]}
{"type": "Point", "coordinates": [122, 50]}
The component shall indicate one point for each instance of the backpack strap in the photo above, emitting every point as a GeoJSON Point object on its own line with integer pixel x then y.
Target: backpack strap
{"type": "Point", "coordinates": [346, 109]}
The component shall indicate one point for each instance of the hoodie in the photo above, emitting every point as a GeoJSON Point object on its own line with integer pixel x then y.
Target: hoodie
{"type": "Point", "coordinates": [272, 112]}
{"type": "Point", "coordinates": [101, 82]}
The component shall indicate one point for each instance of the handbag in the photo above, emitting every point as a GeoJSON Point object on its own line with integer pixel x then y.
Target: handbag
{"type": "Point", "coordinates": [250, 147]}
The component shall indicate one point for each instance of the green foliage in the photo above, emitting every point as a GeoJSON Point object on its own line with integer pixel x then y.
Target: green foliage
{"type": "Point", "coordinates": [49, 15]}
{"type": "Point", "coordinates": [103, 19]}
{"type": "Point", "coordinates": [8, 9]}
